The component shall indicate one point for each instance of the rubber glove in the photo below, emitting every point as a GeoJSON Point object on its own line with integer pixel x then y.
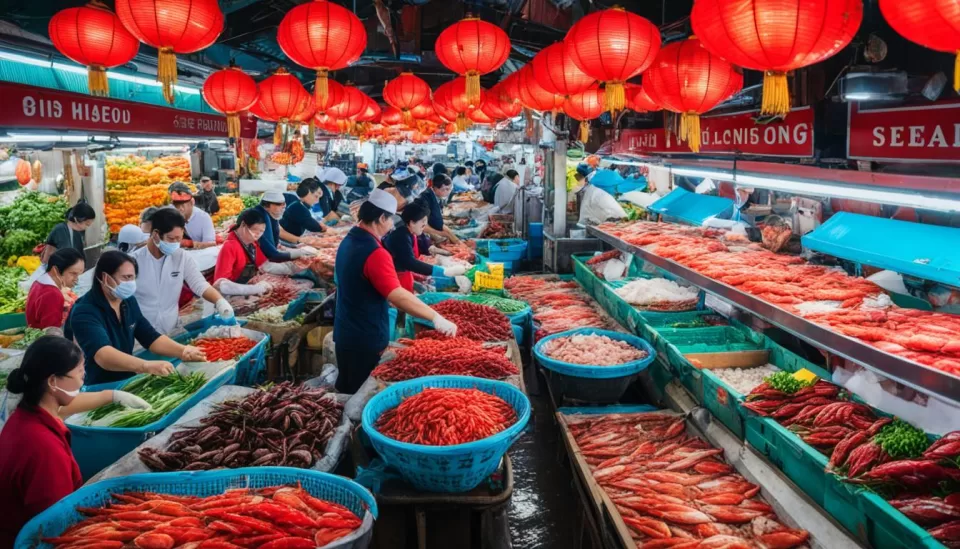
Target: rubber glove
{"type": "Point", "coordinates": [454, 271]}
{"type": "Point", "coordinates": [130, 400]}
{"type": "Point", "coordinates": [444, 326]}
{"type": "Point", "coordinates": [437, 270]}
{"type": "Point", "coordinates": [309, 251]}
{"type": "Point", "coordinates": [224, 309]}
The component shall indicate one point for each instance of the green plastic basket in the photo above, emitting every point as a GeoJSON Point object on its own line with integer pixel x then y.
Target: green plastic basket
{"type": "Point", "coordinates": [715, 339]}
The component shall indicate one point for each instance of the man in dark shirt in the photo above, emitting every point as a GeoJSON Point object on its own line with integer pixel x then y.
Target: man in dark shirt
{"type": "Point", "coordinates": [206, 199]}
{"type": "Point", "coordinates": [330, 197]}
{"type": "Point", "coordinates": [297, 218]}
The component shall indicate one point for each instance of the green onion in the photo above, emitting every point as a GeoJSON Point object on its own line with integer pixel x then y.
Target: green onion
{"type": "Point", "coordinates": [163, 393]}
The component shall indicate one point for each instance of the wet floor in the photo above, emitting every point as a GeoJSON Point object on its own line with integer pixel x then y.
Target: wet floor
{"type": "Point", "coordinates": [544, 508]}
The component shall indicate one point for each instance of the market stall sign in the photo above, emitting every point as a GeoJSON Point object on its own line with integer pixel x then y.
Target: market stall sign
{"type": "Point", "coordinates": [735, 133]}
{"type": "Point", "coordinates": [924, 133]}
{"type": "Point", "coordinates": [33, 107]}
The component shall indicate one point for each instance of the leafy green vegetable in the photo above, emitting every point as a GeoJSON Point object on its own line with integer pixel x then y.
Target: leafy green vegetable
{"type": "Point", "coordinates": [785, 382]}
{"type": "Point", "coordinates": [902, 440]}
{"type": "Point", "coordinates": [18, 242]}
{"type": "Point", "coordinates": [33, 211]}
{"type": "Point", "coordinates": [12, 298]}
{"type": "Point", "coordinates": [163, 393]}
{"type": "Point", "coordinates": [29, 336]}
{"type": "Point", "coordinates": [3, 380]}
{"type": "Point", "coordinates": [502, 304]}
{"type": "Point", "coordinates": [250, 201]}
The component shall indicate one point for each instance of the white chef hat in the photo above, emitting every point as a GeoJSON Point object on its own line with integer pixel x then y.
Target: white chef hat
{"type": "Point", "coordinates": [320, 172]}
{"type": "Point", "coordinates": [273, 197]}
{"type": "Point", "coordinates": [131, 234]}
{"type": "Point", "coordinates": [383, 200]}
{"type": "Point", "coordinates": [334, 175]}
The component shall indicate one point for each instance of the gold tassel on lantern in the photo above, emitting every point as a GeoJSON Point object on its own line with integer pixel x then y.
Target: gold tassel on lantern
{"type": "Point", "coordinates": [233, 125]}
{"type": "Point", "coordinates": [167, 72]}
{"type": "Point", "coordinates": [956, 73]}
{"type": "Point", "coordinates": [462, 122]}
{"type": "Point", "coordinates": [407, 117]}
{"type": "Point", "coordinates": [473, 89]}
{"type": "Point", "coordinates": [776, 94]}
{"type": "Point", "coordinates": [690, 130]}
{"type": "Point", "coordinates": [321, 89]}
{"type": "Point", "coordinates": [97, 81]}
{"type": "Point", "coordinates": [278, 134]}
{"type": "Point", "coordinates": [615, 97]}
{"type": "Point", "coordinates": [584, 131]}
{"type": "Point", "coordinates": [311, 131]}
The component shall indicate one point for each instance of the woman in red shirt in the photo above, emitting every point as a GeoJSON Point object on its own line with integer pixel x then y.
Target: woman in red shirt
{"type": "Point", "coordinates": [51, 296]}
{"type": "Point", "coordinates": [37, 467]}
{"type": "Point", "coordinates": [240, 257]}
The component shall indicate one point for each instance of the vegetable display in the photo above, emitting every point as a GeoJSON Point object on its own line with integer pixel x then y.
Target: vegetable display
{"type": "Point", "coordinates": [28, 220]}
{"type": "Point", "coordinates": [283, 425]}
{"type": "Point", "coordinates": [230, 206]}
{"type": "Point", "coordinates": [250, 201]}
{"type": "Point", "coordinates": [134, 184]}
{"type": "Point", "coordinates": [29, 336]}
{"type": "Point", "coordinates": [286, 517]}
{"type": "Point", "coordinates": [592, 349]}
{"type": "Point", "coordinates": [270, 315]}
{"type": "Point", "coordinates": [12, 298]}
{"type": "Point", "coordinates": [162, 393]}
{"type": "Point", "coordinates": [451, 356]}
{"type": "Point", "coordinates": [504, 305]}
{"type": "Point", "coordinates": [675, 490]}
{"type": "Point", "coordinates": [476, 321]}
{"type": "Point", "coordinates": [224, 348]}
{"type": "Point", "coordinates": [444, 417]}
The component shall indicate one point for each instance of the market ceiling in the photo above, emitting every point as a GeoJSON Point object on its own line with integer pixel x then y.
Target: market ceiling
{"type": "Point", "coordinates": [401, 33]}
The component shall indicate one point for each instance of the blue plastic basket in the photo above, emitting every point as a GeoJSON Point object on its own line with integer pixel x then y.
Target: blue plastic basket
{"type": "Point", "coordinates": [596, 372]}
{"type": "Point", "coordinates": [457, 468]}
{"type": "Point", "coordinates": [502, 249]}
{"type": "Point", "coordinates": [63, 514]}
{"type": "Point", "coordinates": [97, 447]}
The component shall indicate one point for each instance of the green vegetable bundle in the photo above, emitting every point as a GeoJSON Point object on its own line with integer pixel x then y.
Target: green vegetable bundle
{"type": "Point", "coordinates": [29, 336]}
{"type": "Point", "coordinates": [785, 382]}
{"type": "Point", "coordinates": [250, 201]}
{"type": "Point", "coordinates": [12, 298]}
{"type": "Point", "coordinates": [502, 304]}
{"type": "Point", "coordinates": [3, 380]}
{"type": "Point", "coordinates": [901, 440]}
{"type": "Point", "coordinates": [18, 242]}
{"type": "Point", "coordinates": [163, 393]}
{"type": "Point", "coordinates": [35, 212]}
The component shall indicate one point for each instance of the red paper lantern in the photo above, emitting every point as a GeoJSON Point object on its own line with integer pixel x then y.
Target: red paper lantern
{"type": "Point", "coordinates": [690, 80]}
{"type": "Point", "coordinates": [507, 94]}
{"type": "Point", "coordinates": [450, 128]}
{"type": "Point", "coordinates": [477, 116]}
{"type": "Point", "coordinates": [171, 26]}
{"type": "Point", "coordinates": [423, 110]}
{"type": "Point", "coordinates": [326, 123]}
{"type": "Point", "coordinates": [641, 101]}
{"type": "Point", "coordinates": [371, 113]}
{"type": "Point", "coordinates": [354, 103]}
{"type": "Point", "coordinates": [282, 98]}
{"type": "Point", "coordinates": [491, 105]}
{"type": "Point", "coordinates": [406, 92]}
{"type": "Point", "coordinates": [612, 46]}
{"type": "Point", "coordinates": [322, 36]}
{"type": "Point", "coordinates": [230, 91]}
{"type": "Point", "coordinates": [556, 72]}
{"type": "Point", "coordinates": [933, 24]}
{"type": "Point", "coordinates": [777, 36]}
{"type": "Point", "coordinates": [472, 47]}
{"type": "Point", "coordinates": [585, 106]}
{"type": "Point", "coordinates": [534, 96]}
{"type": "Point", "coordinates": [93, 36]}
{"type": "Point", "coordinates": [335, 95]}
{"type": "Point", "coordinates": [451, 102]}
{"type": "Point", "coordinates": [257, 110]}
{"type": "Point", "coordinates": [392, 116]}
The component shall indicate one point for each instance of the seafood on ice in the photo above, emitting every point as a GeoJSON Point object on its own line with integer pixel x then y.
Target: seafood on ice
{"type": "Point", "coordinates": [557, 306]}
{"type": "Point", "coordinates": [743, 380]}
{"type": "Point", "coordinates": [658, 294]}
{"type": "Point", "coordinates": [592, 349]}
{"type": "Point", "coordinates": [674, 490]}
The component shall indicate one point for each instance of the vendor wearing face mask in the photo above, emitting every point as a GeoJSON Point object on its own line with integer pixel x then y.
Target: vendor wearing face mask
{"type": "Point", "coordinates": [403, 246]}
{"type": "Point", "coordinates": [241, 258]}
{"type": "Point", "coordinates": [164, 269]}
{"type": "Point", "coordinates": [49, 299]}
{"type": "Point", "coordinates": [272, 205]}
{"type": "Point", "coordinates": [37, 467]}
{"type": "Point", "coordinates": [107, 319]}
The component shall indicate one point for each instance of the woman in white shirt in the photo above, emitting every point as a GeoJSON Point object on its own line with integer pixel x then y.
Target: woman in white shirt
{"type": "Point", "coordinates": [164, 269]}
{"type": "Point", "coordinates": [506, 192]}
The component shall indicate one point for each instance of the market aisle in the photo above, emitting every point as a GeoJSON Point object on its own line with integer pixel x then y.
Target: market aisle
{"type": "Point", "coordinates": [543, 509]}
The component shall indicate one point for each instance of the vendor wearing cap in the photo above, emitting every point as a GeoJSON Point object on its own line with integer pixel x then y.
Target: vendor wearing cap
{"type": "Point", "coordinates": [272, 206]}
{"type": "Point", "coordinates": [367, 285]}
{"type": "Point", "coordinates": [206, 199]}
{"type": "Point", "coordinates": [164, 269]}
{"type": "Point", "coordinates": [132, 237]}
{"type": "Point", "coordinates": [199, 231]}
{"type": "Point", "coordinates": [359, 186]}
{"type": "Point", "coordinates": [405, 181]}
{"type": "Point", "coordinates": [297, 218]}
{"type": "Point", "coordinates": [432, 199]}
{"type": "Point", "coordinates": [330, 197]}
{"type": "Point", "coordinates": [404, 246]}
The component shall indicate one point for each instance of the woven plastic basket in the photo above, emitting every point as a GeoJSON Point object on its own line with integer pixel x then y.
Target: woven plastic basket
{"type": "Point", "coordinates": [595, 372]}
{"type": "Point", "coordinates": [457, 468]}
{"type": "Point", "coordinates": [63, 514]}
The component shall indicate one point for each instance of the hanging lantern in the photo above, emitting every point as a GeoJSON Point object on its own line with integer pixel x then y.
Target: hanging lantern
{"type": "Point", "coordinates": [423, 110]}
{"type": "Point", "coordinates": [451, 102]}
{"type": "Point", "coordinates": [534, 96]}
{"type": "Point", "coordinates": [172, 26]}
{"type": "Point", "coordinates": [282, 97]}
{"type": "Point", "coordinates": [556, 72]}
{"type": "Point", "coordinates": [472, 47]}
{"type": "Point", "coordinates": [322, 36]}
{"type": "Point", "coordinates": [93, 36]}
{"type": "Point", "coordinates": [230, 91]}
{"type": "Point", "coordinates": [372, 112]}
{"type": "Point", "coordinates": [641, 101]}
{"type": "Point", "coordinates": [477, 116]}
{"type": "Point", "coordinates": [450, 128]}
{"type": "Point", "coordinates": [354, 103]}
{"type": "Point", "coordinates": [507, 95]}
{"type": "Point", "coordinates": [335, 95]}
{"type": "Point", "coordinates": [491, 105]}
{"type": "Point", "coordinates": [257, 110]}
{"type": "Point", "coordinates": [406, 92]}
{"type": "Point", "coordinates": [585, 106]}
{"type": "Point", "coordinates": [392, 116]}
{"type": "Point", "coordinates": [306, 116]}
{"type": "Point", "coordinates": [778, 36]}
{"type": "Point", "coordinates": [612, 46]}
{"type": "Point", "coordinates": [690, 80]}
{"type": "Point", "coordinates": [325, 123]}
{"type": "Point", "coordinates": [933, 24]}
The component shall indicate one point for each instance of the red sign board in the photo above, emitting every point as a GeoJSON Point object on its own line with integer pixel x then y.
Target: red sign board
{"type": "Point", "coordinates": [33, 107]}
{"type": "Point", "coordinates": [925, 133]}
{"type": "Point", "coordinates": [731, 134]}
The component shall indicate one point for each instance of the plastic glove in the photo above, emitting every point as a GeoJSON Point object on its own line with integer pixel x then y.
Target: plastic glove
{"type": "Point", "coordinates": [439, 251]}
{"type": "Point", "coordinates": [192, 354]}
{"type": "Point", "coordinates": [224, 309]}
{"type": "Point", "coordinates": [130, 400]}
{"type": "Point", "coordinates": [263, 288]}
{"type": "Point", "coordinates": [280, 269]}
{"type": "Point", "coordinates": [444, 326]}
{"type": "Point", "coordinates": [309, 251]}
{"type": "Point", "coordinates": [156, 367]}
{"type": "Point", "coordinates": [227, 287]}
{"type": "Point", "coordinates": [437, 270]}
{"type": "Point", "coordinates": [454, 271]}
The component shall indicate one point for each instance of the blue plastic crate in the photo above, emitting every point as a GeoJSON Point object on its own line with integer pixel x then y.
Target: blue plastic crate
{"type": "Point", "coordinates": [97, 447]}
{"type": "Point", "coordinates": [457, 468]}
{"type": "Point", "coordinates": [63, 514]}
{"type": "Point", "coordinates": [502, 249]}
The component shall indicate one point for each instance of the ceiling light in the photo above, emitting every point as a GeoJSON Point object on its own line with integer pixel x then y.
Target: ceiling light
{"type": "Point", "coordinates": [698, 172]}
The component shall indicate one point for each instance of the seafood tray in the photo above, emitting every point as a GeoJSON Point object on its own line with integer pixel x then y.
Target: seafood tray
{"type": "Point", "coordinates": [792, 511]}
{"type": "Point", "coordinates": [130, 463]}
{"type": "Point", "coordinates": [337, 489]}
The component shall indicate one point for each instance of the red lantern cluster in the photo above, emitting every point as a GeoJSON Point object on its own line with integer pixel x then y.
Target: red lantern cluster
{"type": "Point", "coordinates": [472, 47]}
{"type": "Point", "coordinates": [406, 92]}
{"type": "Point", "coordinates": [534, 96]}
{"type": "Point", "coordinates": [282, 99]}
{"type": "Point", "coordinates": [585, 106]}
{"type": "Point", "coordinates": [556, 71]}
{"type": "Point", "coordinates": [230, 91]}
{"type": "Point", "coordinates": [451, 102]}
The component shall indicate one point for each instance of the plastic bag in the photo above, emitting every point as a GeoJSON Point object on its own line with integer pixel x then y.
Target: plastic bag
{"type": "Point", "coordinates": [329, 350]}
{"type": "Point", "coordinates": [354, 407]}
